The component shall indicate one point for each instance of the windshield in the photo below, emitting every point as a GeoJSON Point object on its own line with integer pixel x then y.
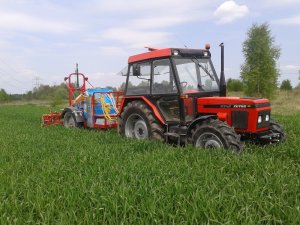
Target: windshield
{"type": "Point", "coordinates": [196, 75]}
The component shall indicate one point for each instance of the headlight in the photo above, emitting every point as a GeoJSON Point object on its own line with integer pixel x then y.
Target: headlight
{"type": "Point", "coordinates": [267, 117]}
{"type": "Point", "coordinates": [176, 52]}
{"type": "Point", "coordinates": [205, 54]}
{"type": "Point", "coordinates": [259, 120]}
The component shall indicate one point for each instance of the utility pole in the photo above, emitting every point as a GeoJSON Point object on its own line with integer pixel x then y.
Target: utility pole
{"type": "Point", "coordinates": [36, 82]}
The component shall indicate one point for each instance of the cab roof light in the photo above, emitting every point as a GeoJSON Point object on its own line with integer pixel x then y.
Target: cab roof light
{"type": "Point", "coordinates": [207, 46]}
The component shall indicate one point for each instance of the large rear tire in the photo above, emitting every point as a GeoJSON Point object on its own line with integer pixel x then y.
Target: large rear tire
{"type": "Point", "coordinates": [137, 121]}
{"type": "Point", "coordinates": [215, 134]}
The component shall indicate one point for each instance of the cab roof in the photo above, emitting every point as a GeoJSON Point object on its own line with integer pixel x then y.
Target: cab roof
{"type": "Point", "coordinates": [165, 52]}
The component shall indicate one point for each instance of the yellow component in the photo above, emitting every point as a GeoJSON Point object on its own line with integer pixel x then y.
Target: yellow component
{"type": "Point", "coordinates": [106, 107]}
{"type": "Point", "coordinates": [113, 102]}
{"type": "Point", "coordinates": [79, 98]}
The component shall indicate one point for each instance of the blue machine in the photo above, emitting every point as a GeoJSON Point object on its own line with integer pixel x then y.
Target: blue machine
{"type": "Point", "coordinates": [98, 111]}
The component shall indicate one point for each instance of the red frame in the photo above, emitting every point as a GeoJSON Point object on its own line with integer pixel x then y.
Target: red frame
{"type": "Point", "coordinates": [72, 89]}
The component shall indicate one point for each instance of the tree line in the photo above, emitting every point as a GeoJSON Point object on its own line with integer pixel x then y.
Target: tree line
{"type": "Point", "coordinates": [55, 93]}
{"type": "Point", "coordinates": [237, 85]}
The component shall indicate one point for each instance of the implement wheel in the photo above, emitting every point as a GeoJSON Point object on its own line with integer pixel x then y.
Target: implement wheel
{"type": "Point", "coordinates": [137, 121]}
{"type": "Point", "coordinates": [70, 120]}
{"type": "Point", "coordinates": [215, 134]}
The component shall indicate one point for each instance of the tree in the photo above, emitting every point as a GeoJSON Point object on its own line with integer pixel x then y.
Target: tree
{"type": "Point", "coordinates": [259, 73]}
{"type": "Point", "coordinates": [286, 85]}
{"type": "Point", "coordinates": [234, 85]}
{"type": "Point", "coordinates": [4, 97]}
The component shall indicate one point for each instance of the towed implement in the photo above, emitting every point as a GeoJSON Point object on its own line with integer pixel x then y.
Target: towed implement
{"type": "Point", "coordinates": [173, 95]}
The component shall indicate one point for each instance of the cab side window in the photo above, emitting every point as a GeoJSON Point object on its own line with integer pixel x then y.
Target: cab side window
{"type": "Point", "coordinates": [163, 79]}
{"type": "Point", "coordinates": [139, 79]}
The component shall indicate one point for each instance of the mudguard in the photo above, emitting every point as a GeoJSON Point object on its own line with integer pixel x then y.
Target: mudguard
{"type": "Point", "coordinates": [199, 120]}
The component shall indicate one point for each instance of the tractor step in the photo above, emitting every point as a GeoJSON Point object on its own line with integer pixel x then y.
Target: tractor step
{"type": "Point", "coordinates": [174, 135]}
{"type": "Point", "coordinates": [169, 134]}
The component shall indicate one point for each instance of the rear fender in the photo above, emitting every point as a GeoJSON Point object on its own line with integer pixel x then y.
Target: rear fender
{"type": "Point", "coordinates": [199, 120]}
{"type": "Point", "coordinates": [77, 113]}
{"type": "Point", "coordinates": [144, 99]}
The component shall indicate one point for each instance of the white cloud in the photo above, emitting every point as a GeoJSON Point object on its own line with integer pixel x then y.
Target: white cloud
{"type": "Point", "coordinates": [230, 11]}
{"type": "Point", "coordinates": [4, 44]}
{"type": "Point", "coordinates": [24, 22]}
{"type": "Point", "coordinates": [135, 38]}
{"type": "Point", "coordinates": [281, 3]}
{"type": "Point", "coordinates": [290, 67]}
{"type": "Point", "coordinates": [147, 24]}
{"type": "Point", "coordinates": [153, 7]}
{"type": "Point", "coordinates": [113, 51]}
{"type": "Point", "coordinates": [288, 21]}
{"type": "Point", "coordinates": [158, 22]}
{"type": "Point", "coordinates": [103, 79]}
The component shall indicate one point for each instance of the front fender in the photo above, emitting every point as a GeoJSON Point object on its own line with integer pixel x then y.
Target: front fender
{"type": "Point", "coordinates": [199, 120]}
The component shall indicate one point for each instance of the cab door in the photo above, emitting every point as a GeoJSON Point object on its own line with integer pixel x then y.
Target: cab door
{"type": "Point", "coordinates": [164, 90]}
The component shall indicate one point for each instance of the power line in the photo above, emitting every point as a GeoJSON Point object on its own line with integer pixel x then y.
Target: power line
{"type": "Point", "coordinates": [10, 76]}
{"type": "Point", "coordinates": [8, 65]}
{"type": "Point", "coordinates": [8, 83]}
{"type": "Point", "coordinates": [12, 69]}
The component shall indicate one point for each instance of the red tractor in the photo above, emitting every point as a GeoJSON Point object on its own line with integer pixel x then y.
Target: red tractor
{"type": "Point", "coordinates": [174, 94]}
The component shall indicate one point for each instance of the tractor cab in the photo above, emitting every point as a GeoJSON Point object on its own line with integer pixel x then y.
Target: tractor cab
{"type": "Point", "coordinates": [172, 79]}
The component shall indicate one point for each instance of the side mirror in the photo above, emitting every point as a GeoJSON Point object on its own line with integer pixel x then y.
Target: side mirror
{"type": "Point", "coordinates": [136, 70]}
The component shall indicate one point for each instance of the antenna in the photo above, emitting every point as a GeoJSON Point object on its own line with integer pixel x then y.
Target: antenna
{"type": "Point", "coordinates": [180, 41]}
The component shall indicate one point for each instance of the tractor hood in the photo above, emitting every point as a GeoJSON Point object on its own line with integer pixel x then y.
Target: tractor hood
{"type": "Point", "coordinates": [241, 113]}
{"type": "Point", "coordinates": [233, 102]}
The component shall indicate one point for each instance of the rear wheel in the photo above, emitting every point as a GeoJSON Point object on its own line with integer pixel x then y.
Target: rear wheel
{"type": "Point", "coordinates": [215, 134]}
{"type": "Point", "coordinates": [70, 120]}
{"type": "Point", "coordinates": [137, 121]}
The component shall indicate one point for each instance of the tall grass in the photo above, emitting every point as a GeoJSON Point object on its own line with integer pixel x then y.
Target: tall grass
{"type": "Point", "coordinates": [52, 175]}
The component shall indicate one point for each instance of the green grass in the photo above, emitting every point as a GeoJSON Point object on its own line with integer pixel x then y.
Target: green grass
{"type": "Point", "coordinates": [52, 175]}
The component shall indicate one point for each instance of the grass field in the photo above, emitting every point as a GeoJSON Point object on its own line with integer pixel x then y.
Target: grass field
{"type": "Point", "coordinates": [52, 175]}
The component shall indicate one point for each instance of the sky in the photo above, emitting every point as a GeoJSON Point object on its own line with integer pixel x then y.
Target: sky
{"type": "Point", "coordinates": [42, 40]}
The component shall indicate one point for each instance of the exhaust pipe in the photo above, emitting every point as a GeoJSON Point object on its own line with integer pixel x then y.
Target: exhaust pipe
{"type": "Point", "coordinates": [222, 76]}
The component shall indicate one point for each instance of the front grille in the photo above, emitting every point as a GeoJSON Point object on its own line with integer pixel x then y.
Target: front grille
{"type": "Point", "coordinates": [264, 123]}
{"type": "Point", "coordinates": [240, 119]}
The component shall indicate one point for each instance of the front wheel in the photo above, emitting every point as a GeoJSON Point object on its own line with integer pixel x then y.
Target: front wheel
{"type": "Point", "coordinates": [277, 129]}
{"type": "Point", "coordinates": [215, 134]}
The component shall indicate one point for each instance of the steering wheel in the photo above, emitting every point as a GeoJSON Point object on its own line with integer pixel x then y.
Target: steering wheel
{"type": "Point", "coordinates": [183, 84]}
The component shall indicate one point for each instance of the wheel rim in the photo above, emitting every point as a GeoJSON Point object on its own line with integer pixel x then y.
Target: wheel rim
{"type": "Point", "coordinates": [209, 140]}
{"type": "Point", "coordinates": [136, 127]}
{"type": "Point", "coordinates": [69, 121]}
